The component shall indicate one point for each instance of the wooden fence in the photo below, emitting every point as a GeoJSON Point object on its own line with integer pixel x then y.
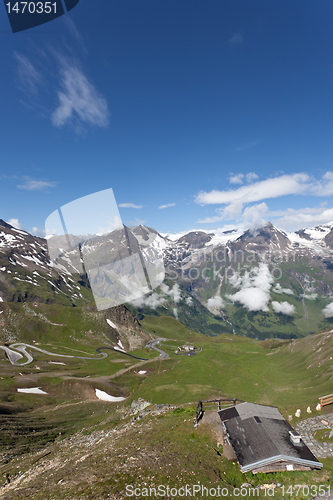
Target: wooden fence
{"type": "Point", "coordinates": [216, 403]}
{"type": "Point", "coordinates": [326, 400]}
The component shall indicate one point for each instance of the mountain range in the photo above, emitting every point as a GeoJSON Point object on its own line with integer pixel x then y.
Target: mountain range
{"type": "Point", "coordinates": [260, 283]}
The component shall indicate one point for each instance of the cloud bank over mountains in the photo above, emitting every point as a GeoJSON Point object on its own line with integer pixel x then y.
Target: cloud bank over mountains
{"type": "Point", "coordinates": [156, 300]}
{"type": "Point", "coordinates": [254, 293]}
{"type": "Point", "coordinates": [254, 288]}
{"type": "Point", "coordinates": [241, 204]}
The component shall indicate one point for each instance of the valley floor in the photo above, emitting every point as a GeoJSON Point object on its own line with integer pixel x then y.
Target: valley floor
{"type": "Point", "coordinates": [67, 444]}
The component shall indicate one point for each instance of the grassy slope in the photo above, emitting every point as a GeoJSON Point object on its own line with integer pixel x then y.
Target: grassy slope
{"type": "Point", "coordinates": [163, 450]}
{"type": "Point", "coordinates": [237, 366]}
{"type": "Point", "coordinates": [287, 374]}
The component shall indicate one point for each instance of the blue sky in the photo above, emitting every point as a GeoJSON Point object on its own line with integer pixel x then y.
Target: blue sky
{"type": "Point", "coordinates": [199, 114]}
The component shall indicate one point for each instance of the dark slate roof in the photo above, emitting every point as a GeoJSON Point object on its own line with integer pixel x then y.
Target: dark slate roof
{"type": "Point", "coordinates": [228, 413]}
{"type": "Point", "coordinates": [260, 435]}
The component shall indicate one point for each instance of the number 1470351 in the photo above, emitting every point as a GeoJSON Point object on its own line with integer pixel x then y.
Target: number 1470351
{"type": "Point", "coordinates": [32, 7]}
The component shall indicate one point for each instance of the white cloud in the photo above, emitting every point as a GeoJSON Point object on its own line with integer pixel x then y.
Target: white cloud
{"type": "Point", "coordinates": [79, 101]}
{"type": "Point", "coordinates": [136, 222]}
{"type": "Point", "coordinates": [278, 289]}
{"type": "Point", "coordinates": [255, 287]}
{"type": "Point", "coordinates": [239, 178]}
{"type": "Point", "coordinates": [173, 292]}
{"type": "Point", "coordinates": [29, 76]}
{"type": "Point", "coordinates": [210, 220]}
{"type": "Point", "coordinates": [247, 145]}
{"type": "Point", "coordinates": [36, 185]}
{"type": "Point", "coordinates": [254, 215]}
{"type": "Point", "coordinates": [15, 223]}
{"type": "Point", "coordinates": [74, 99]}
{"type": "Point", "coordinates": [161, 207]}
{"type": "Point", "coordinates": [253, 298]}
{"type": "Point", "coordinates": [38, 232]}
{"type": "Point", "coordinates": [215, 303]}
{"type": "Point", "coordinates": [234, 200]}
{"type": "Point", "coordinates": [328, 311]}
{"type": "Point", "coordinates": [323, 187]}
{"type": "Point", "coordinates": [189, 301]}
{"type": "Point", "coordinates": [309, 296]}
{"type": "Point", "coordinates": [175, 313]}
{"type": "Point", "coordinates": [153, 301]}
{"type": "Point", "coordinates": [236, 178]}
{"type": "Point", "coordinates": [283, 307]}
{"type": "Point", "coordinates": [74, 32]}
{"type": "Point", "coordinates": [269, 188]}
{"type": "Point", "coordinates": [129, 205]}
{"type": "Point", "coordinates": [251, 176]}
{"type": "Point", "coordinates": [302, 217]}
{"type": "Point", "coordinates": [236, 39]}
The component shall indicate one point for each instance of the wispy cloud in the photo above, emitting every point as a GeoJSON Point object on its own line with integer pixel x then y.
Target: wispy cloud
{"type": "Point", "coordinates": [79, 101]}
{"type": "Point", "coordinates": [129, 205]}
{"type": "Point", "coordinates": [210, 220]}
{"type": "Point", "coordinates": [29, 78]}
{"type": "Point", "coordinates": [256, 215]}
{"type": "Point", "coordinates": [38, 232]}
{"type": "Point", "coordinates": [156, 300]}
{"type": "Point", "coordinates": [251, 177]}
{"type": "Point", "coordinates": [302, 217]}
{"type": "Point", "coordinates": [269, 188]}
{"type": "Point", "coordinates": [247, 145]}
{"type": "Point", "coordinates": [239, 204]}
{"type": "Point", "coordinates": [278, 289]}
{"type": "Point", "coordinates": [236, 178]}
{"type": "Point", "coordinates": [239, 178]}
{"type": "Point", "coordinates": [161, 207]}
{"type": "Point", "coordinates": [136, 222]}
{"type": "Point", "coordinates": [309, 296]}
{"type": "Point", "coordinates": [36, 184]}
{"type": "Point", "coordinates": [236, 39]}
{"type": "Point", "coordinates": [74, 32]}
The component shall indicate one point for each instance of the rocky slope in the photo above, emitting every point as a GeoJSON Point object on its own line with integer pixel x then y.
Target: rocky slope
{"type": "Point", "coordinates": [264, 282]}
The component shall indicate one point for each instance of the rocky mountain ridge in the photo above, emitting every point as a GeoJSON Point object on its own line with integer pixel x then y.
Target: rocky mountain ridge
{"type": "Point", "coordinates": [211, 272]}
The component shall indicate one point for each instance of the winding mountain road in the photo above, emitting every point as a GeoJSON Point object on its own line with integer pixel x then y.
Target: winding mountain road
{"type": "Point", "coordinates": [122, 352]}
{"type": "Point", "coordinates": [14, 356]}
{"type": "Point", "coordinates": [20, 351]}
{"type": "Point", "coordinates": [152, 344]}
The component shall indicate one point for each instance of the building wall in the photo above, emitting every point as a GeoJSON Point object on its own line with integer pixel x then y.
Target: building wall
{"type": "Point", "coordinates": [280, 466]}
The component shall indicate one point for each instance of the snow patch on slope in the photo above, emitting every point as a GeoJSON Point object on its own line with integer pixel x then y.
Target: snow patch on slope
{"type": "Point", "coordinates": [109, 322]}
{"type": "Point", "coordinates": [104, 396]}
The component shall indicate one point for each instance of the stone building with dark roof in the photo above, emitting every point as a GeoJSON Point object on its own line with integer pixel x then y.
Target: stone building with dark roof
{"type": "Point", "coordinates": [263, 441]}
